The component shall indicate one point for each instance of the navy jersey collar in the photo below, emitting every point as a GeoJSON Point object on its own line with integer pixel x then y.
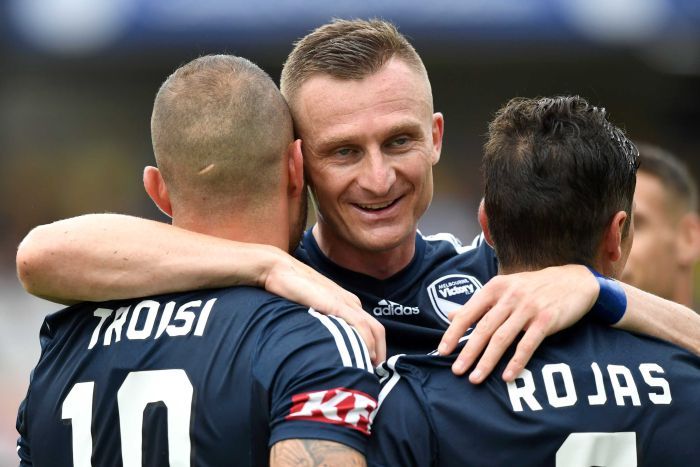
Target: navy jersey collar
{"type": "Point", "coordinates": [346, 277]}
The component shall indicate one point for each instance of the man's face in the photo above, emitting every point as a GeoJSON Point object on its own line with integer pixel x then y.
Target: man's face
{"type": "Point", "coordinates": [652, 262]}
{"type": "Point", "coordinates": [369, 147]}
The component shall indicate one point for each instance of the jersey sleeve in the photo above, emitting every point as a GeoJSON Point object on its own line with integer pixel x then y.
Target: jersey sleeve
{"type": "Point", "coordinates": [401, 432]}
{"type": "Point", "coordinates": [23, 442]}
{"type": "Point", "coordinates": [321, 383]}
{"type": "Point", "coordinates": [25, 459]}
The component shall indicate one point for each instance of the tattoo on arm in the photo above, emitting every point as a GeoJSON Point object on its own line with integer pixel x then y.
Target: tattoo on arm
{"type": "Point", "coordinates": [312, 452]}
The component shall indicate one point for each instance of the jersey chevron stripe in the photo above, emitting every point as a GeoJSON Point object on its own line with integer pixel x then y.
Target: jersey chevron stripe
{"type": "Point", "coordinates": [339, 342]}
{"type": "Point", "coordinates": [352, 338]}
{"type": "Point", "coordinates": [386, 388]}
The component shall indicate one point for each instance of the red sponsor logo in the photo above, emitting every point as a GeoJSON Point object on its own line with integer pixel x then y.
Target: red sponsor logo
{"type": "Point", "coordinates": [339, 406]}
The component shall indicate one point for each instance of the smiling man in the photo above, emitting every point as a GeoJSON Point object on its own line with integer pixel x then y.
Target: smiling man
{"type": "Point", "coordinates": [370, 145]}
{"type": "Point", "coordinates": [362, 104]}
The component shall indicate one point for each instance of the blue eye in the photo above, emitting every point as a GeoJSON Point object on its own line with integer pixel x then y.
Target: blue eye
{"type": "Point", "coordinates": [402, 141]}
{"type": "Point", "coordinates": [345, 151]}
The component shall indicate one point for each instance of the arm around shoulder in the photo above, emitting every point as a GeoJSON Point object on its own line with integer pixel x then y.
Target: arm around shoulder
{"type": "Point", "coordinates": [99, 257]}
{"type": "Point", "coordinates": [648, 314]}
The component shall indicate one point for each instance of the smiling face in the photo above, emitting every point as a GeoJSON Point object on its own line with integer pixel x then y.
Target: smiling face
{"type": "Point", "coordinates": [369, 146]}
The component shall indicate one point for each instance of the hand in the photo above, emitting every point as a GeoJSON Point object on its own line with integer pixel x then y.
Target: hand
{"type": "Point", "coordinates": [541, 303]}
{"type": "Point", "coordinates": [295, 281]}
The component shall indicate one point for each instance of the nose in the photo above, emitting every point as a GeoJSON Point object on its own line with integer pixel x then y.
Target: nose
{"type": "Point", "coordinates": [377, 174]}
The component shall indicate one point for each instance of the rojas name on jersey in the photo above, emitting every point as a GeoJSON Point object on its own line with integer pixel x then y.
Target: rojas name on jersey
{"type": "Point", "coordinates": [526, 394]}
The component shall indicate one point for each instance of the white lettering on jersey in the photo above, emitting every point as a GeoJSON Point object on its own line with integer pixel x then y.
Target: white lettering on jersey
{"type": "Point", "coordinates": [165, 318]}
{"type": "Point", "coordinates": [116, 326]}
{"type": "Point", "coordinates": [665, 397]}
{"type": "Point", "coordinates": [140, 334]}
{"type": "Point", "coordinates": [389, 308]}
{"type": "Point", "coordinates": [101, 313]}
{"type": "Point", "coordinates": [525, 389]}
{"type": "Point", "coordinates": [185, 316]}
{"type": "Point", "coordinates": [525, 393]}
{"type": "Point", "coordinates": [555, 400]}
{"type": "Point", "coordinates": [181, 325]}
{"type": "Point", "coordinates": [629, 389]}
{"type": "Point", "coordinates": [599, 398]}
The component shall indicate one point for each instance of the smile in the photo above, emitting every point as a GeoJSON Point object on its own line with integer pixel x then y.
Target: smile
{"type": "Point", "coordinates": [377, 206]}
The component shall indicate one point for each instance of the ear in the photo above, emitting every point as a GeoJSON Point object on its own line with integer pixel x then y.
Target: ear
{"type": "Point", "coordinates": [612, 238]}
{"type": "Point", "coordinates": [688, 239]}
{"type": "Point", "coordinates": [155, 187]}
{"type": "Point", "coordinates": [437, 132]}
{"type": "Point", "coordinates": [484, 222]}
{"type": "Point", "coordinates": [295, 162]}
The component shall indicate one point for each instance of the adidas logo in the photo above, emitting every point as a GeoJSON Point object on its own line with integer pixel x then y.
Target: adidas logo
{"type": "Point", "coordinates": [389, 308]}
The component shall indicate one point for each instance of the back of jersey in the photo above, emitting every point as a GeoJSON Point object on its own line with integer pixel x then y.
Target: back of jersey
{"type": "Point", "coordinates": [591, 395]}
{"type": "Point", "coordinates": [205, 378]}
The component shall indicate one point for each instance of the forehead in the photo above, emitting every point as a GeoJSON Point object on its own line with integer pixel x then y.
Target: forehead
{"type": "Point", "coordinates": [650, 195]}
{"type": "Point", "coordinates": [396, 93]}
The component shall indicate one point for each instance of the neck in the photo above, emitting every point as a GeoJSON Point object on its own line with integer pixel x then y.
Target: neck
{"type": "Point", "coordinates": [253, 228]}
{"type": "Point", "coordinates": [512, 269]}
{"type": "Point", "coordinates": [378, 264]}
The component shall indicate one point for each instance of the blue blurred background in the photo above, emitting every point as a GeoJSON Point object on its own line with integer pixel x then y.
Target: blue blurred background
{"type": "Point", "coordinates": [78, 78]}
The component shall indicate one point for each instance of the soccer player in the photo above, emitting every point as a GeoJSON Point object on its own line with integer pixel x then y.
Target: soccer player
{"type": "Point", "coordinates": [559, 181]}
{"type": "Point", "coordinates": [667, 227]}
{"type": "Point", "coordinates": [213, 377]}
{"type": "Point", "coordinates": [362, 104]}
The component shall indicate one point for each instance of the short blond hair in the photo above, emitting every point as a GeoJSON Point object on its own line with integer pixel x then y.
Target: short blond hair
{"type": "Point", "coordinates": [346, 49]}
{"type": "Point", "coordinates": [220, 127]}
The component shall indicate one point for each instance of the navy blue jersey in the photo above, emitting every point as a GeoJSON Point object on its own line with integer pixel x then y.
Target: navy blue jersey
{"type": "Point", "coordinates": [207, 378]}
{"type": "Point", "coordinates": [413, 304]}
{"type": "Point", "coordinates": [592, 395]}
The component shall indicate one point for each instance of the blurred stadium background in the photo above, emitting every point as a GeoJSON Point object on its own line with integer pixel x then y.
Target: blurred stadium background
{"type": "Point", "coordinates": [78, 78]}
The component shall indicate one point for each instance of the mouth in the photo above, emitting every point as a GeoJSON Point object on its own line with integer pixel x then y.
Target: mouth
{"type": "Point", "coordinates": [377, 207]}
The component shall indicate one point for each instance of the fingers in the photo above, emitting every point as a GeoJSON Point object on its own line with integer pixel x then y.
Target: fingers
{"type": "Point", "coordinates": [496, 338]}
{"type": "Point", "coordinates": [482, 335]}
{"type": "Point", "coordinates": [523, 353]}
{"type": "Point", "coordinates": [464, 318]}
{"type": "Point", "coordinates": [380, 342]}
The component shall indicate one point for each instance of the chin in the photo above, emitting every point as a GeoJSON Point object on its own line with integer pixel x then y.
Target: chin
{"type": "Point", "coordinates": [384, 242]}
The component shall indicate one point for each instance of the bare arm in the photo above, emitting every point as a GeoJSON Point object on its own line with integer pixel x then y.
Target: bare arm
{"type": "Point", "coordinates": [110, 256]}
{"type": "Point", "coordinates": [100, 257]}
{"type": "Point", "coordinates": [544, 302]}
{"type": "Point", "coordinates": [311, 452]}
{"type": "Point", "coordinates": [648, 314]}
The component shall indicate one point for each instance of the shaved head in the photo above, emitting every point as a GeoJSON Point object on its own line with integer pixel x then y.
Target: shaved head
{"type": "Point", "coordinates": [220, 127]}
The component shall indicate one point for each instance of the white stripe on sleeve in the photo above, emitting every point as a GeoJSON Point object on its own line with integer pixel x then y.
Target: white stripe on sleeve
{"type": "Point", "coordinates": [335, 332]}
{"type": "Point", "coordinates": [352, 338]}
{"type": "Point", "coordinates": [365, 351]}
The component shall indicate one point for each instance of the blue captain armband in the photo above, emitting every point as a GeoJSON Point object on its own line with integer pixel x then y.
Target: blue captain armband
{"type": "Point", "coordinates": [610, 306]}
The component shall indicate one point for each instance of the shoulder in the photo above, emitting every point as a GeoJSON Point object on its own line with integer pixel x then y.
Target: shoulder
{"type": "Point", "coordinates": [446, 250]}
{"type": "Point", "coordinates": [447, 243]}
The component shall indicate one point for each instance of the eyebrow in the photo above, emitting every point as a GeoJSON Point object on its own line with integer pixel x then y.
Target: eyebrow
{"type": "Point", "coordinates": [407, 126]}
